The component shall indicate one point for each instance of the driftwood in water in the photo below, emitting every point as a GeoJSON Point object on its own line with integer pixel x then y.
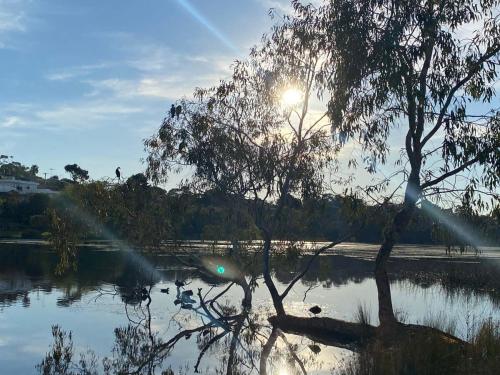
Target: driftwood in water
{"type": "Point", "coordinates": [355, 336]}
{"type": "Point", "coordinates": [328, 331]}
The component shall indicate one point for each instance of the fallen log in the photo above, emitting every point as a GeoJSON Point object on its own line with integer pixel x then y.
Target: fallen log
{"type": "Point", "coordinates": [327, 331]}
{"type": "Point", "coordinates": [356, 336]}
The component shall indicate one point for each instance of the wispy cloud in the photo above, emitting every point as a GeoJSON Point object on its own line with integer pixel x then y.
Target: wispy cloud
{"type": "Point", "coordinates": [10, 121]}
{"type": "Point", "coordinates": [12, 20]}
{"type": "Point", "coordinates": [76, 71]}
{"type": "Point", "coordinates": [151, 57]}
{"type": "Point", "coordinates": [74, 114]}
{"type": "Point", "coordinates": [79, 114]}
{"type": "Point", "coordinates": [134, 88]}
{"type": "Point", "coordinates": [148, 70]}
{"type": "Point", "coordinates": [160, 86]}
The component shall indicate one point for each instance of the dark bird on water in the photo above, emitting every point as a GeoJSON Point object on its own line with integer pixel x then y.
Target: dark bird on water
{"type": "Point", "coordinates": [315, 348]}
{"type": "Point", "coordinates": [166, 290]}
{"type": "Point", "coordinates": [178, 283]}
{"type": "Point", "coordinates": [172, 111]}
{"type": "Point", "coordinates": [315, 310]}
{"type": "Point", "coordinates": [118, 174]}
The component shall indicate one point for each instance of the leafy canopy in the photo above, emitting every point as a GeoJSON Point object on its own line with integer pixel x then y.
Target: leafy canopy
{"type": "Point", "coordinates": [423, 69]}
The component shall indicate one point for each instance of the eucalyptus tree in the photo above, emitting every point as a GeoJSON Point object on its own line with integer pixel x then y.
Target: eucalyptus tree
{"type": "Point", "coordinates": [133, 211]}
{"type": "Point", "coordinates": [256, 135]}
{"type": "Point", "coordinates": [77, 173]}
{"type": "Point", "coordinates": [422, 71]}
{"type": "Point", "coordinates": [11, 168]}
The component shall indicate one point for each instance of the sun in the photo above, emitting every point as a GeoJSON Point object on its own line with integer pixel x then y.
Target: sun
{"type": "Point", "coordinates": [292, 97]}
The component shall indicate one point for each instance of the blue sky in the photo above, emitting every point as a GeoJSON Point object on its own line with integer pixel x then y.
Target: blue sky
{"type": "Point", "coordinates": [85, 81]}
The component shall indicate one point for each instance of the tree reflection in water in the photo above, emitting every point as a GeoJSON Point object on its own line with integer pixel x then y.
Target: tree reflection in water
{"type": "Point", "coordinates": [242, 340]}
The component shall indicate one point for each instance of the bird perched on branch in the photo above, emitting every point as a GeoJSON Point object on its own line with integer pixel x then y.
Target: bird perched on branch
{"type": "Point", "coordinates": [118, 174]}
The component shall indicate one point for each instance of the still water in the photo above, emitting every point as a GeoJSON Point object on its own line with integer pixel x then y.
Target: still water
{"type": "Point", "coordinates": [115, 306]}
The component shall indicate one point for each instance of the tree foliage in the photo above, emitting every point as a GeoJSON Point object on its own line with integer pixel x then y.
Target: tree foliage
{"type": "Point", "coordinates": [77, 173]}
{"type": "Point", "coordinates": [245, 138]}
{"type": "Point", "coordinates": [241, 139]}
{"type": "Point", "coordinates": [416, 69]}
{"type": "Point", "coordinates": [413, 69]}
{"type": "Point", "coordinates": [11, 168]}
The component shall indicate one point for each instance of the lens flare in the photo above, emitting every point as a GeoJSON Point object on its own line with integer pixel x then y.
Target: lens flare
{"type": "Point", "coordinates": [222, 267]}
{"type": "Point", "coordinates": [84, 217]}
{"type": "Point", "coordinates": [461, 230]}
{"type": "Point", "coordinates": [207, 24]}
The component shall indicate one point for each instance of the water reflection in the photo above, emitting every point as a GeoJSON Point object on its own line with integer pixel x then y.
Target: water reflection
{"type": "Point", "coordinates": [210, 324]}
{"type": "Point", "coordinates": [26, 269]}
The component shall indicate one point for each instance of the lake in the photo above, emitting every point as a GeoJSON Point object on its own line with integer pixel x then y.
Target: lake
{"type": "Point", "coordinates": [115, 304]}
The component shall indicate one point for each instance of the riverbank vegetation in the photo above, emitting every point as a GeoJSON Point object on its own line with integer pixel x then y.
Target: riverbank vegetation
{"type": "Point", "coordinates": [181, 214]}
{"type": "Point", "coordinates": [426, 354]}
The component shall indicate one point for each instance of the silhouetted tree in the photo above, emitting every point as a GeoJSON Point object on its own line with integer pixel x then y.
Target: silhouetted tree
{"type": "Point", "coordinates": [11, 168]}
{"type": "Point", "coordinates": [254, 137]}
{"type": "Point", "coordinates": [77, 173]}
{"type": "Point", "coordinates": [411, 69]}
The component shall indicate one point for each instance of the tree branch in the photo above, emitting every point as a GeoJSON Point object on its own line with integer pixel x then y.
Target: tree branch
{"type": "Point", "coordinates": [473, 70]}
{"type": "Point", "coordinates": [207, 346]}
{"type": "Point", "coordinates": [450, 173]}
{"type": "Point", "coordinates": [292, 352]}
{"type": "Point", "coordinates": [309, 264]}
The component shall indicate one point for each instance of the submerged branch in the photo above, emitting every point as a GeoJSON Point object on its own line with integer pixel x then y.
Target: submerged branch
{"type": "Point", "coordinates": [317, 253]}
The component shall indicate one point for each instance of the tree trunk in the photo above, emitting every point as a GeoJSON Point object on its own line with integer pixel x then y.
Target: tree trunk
{"type": "Point", "coordinates": [246, 305]}
{"type": "Point", "coordinates": [232, 347]}
{"type": "Point", "coordinates": [277, 301]}
{"type": "Point", "coordinates": [398, 225]}
{"type": "Point", "coordinates": [266, 350]}
{"type": "Point", "coordinates": [385, 309]}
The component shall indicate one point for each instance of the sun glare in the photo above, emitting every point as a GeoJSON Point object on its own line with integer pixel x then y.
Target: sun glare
{"type": "Point", "coordinates": [291, 97]}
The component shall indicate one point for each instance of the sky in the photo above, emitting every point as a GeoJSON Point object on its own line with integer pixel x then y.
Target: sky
{"type": "Point", "coordinates": [86, 81]}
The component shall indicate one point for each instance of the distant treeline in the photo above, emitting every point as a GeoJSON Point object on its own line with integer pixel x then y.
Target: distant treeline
{"type": "Point", "coordinates": [147, 215]}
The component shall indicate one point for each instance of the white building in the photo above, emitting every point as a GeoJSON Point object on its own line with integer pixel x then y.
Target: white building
{"type": "Point", "coordinates": [11, 184]}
